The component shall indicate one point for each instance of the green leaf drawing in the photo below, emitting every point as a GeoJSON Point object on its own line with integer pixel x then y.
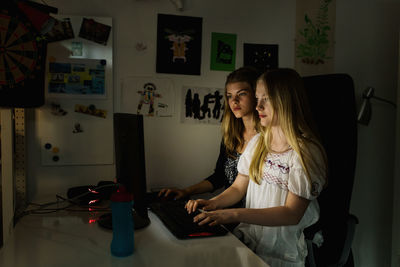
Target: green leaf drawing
{"type": "Point", "coordinates": [315, 43]}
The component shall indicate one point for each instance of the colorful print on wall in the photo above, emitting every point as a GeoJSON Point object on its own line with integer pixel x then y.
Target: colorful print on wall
{"type": "Point", "coordinates": [315, 22]}
{"type": "Point", "coordinates": [152, 97]}
{"type": "Point", "coordinates": [223, 51]}
{"type": "Point", "coordinates": [202, 105]}
{"type": "Point", "coordinates": [260, 56]}
{"type": "Point", "coordinates": [179, 44]}
{"type": "Point", "coordinates": [80, 77]}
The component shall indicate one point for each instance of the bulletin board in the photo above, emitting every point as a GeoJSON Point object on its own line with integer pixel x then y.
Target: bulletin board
{"type": "Point", "coordinates": [75, 126]}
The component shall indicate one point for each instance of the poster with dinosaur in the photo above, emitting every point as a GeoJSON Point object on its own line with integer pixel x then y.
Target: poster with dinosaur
{"type": "Point", "coordinates": [314, 43]}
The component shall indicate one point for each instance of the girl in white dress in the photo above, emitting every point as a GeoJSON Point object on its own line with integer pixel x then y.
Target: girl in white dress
{"type": "Point", "coordinates": [282, 170]}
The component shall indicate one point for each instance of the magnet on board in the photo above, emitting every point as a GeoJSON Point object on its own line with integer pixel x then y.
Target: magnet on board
{"type": "Point", "coordinates": [91, 110]}
{"type": "Point", "coordinates": [77, 128]}
{"type": "Point", "coordinates": [56, 158]}
{"type": "Point", "coordinates": [56, 150]}
{"type": "Point", "coordinates": [47, 146]}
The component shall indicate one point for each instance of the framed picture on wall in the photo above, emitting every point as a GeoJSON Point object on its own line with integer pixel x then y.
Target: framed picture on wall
{"type": "Point", "coordinates": [260, 56]}
{"type": "Point", "coordinates": [179, 44]}
{"type": "Point", "coordinates": [223, 51]}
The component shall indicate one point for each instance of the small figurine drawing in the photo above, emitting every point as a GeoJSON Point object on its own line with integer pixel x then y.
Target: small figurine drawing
{"type": "Point", "coordinates": [147, 97]}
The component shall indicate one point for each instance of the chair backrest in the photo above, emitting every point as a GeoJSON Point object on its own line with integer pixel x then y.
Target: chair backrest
{"type": "Point", "coordinates": [332, 102]}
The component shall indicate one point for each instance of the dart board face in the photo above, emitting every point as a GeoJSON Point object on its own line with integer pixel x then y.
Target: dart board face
{"type": "Point", "coordinates": [22, 57]}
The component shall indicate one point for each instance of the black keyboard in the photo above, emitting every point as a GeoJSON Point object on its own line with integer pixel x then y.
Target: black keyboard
{"type": "Point", "coordinates": [180, 223]}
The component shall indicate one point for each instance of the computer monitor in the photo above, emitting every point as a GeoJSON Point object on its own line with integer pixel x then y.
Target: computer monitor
{"type": "Point", "coordinates": [130, 164]}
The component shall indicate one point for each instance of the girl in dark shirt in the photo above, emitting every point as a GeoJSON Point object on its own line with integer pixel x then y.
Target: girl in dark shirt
{"type": "Point", "coordinates": [239, 124]}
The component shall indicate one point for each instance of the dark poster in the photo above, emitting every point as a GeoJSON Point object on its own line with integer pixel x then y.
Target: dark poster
{"type": "Point", "coordinates": [260, 56]}
{"type": "Point", "coordinates": [179, 44]}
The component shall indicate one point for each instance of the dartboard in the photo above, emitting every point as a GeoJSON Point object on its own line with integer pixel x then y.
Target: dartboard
{"type": "Point", "coordinates": [21, 60]}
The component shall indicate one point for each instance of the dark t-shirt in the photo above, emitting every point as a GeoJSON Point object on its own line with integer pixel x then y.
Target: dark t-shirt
{"type": "Point", "coordinates": [225, 171]}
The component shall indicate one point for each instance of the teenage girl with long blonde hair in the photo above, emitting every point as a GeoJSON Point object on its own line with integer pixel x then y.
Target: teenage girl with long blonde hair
{"type": "Point", "coordinates": [281, 172]}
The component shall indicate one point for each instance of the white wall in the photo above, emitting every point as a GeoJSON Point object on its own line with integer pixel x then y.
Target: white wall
{"type": "Point", "coordinates": [177, 154]}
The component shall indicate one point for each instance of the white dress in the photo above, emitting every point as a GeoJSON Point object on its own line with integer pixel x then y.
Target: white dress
{"type": "Point", "coordinates": [279, 245]}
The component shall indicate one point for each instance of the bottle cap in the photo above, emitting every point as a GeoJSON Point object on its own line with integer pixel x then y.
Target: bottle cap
{"type": "Point", "coordinates": [121, 195]}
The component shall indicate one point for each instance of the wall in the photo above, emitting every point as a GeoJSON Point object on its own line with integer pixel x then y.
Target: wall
{"type": "Point", "coordinates": [367, 49]}
{"type": "Point", "coordinates": [396, 182]}
{"type": "Point", "coordinates": [6, 174]}
{"type": "Point", "coordinates": [177, 154]}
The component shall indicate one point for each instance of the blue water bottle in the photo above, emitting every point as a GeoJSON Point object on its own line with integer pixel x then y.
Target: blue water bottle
{"type": "Point", "coordinates": [122, 243]}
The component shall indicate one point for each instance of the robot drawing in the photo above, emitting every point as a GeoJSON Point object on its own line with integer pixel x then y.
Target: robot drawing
{"type": "Point", "coordinates": [147, 97]}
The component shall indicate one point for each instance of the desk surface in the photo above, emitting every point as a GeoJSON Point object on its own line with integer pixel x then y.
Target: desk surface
{"type": "Point", "coordinates": [74, 239]}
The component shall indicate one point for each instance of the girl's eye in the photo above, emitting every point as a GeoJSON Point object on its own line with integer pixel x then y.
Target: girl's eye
{"type": "Point", "coordinates": [229, 96]}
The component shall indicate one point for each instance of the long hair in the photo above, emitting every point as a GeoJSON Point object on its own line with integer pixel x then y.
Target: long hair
{"type": "Point", "coordinates": [233, 128]}
{"type": "Point", "coordinates": [292, 113]}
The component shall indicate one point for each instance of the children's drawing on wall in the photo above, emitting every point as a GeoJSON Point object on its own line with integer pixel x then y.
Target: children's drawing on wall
{"type": "Point", "coordinates": [84, 77]}
{"type": "Point", "coordinates": [179, 44]}
{"type": "Point", "coordinates": [223, 51]}
{"type": "Point", "coordinates": [148, 96]}
{"type": "Point", "coordinates": [94, 31]}
{"type": "Point", "coordinates": [202, 105]}
{"type": "Point", "coordinates": [315, 21]}
{"type": "Point", "coordinates": [260, 56]}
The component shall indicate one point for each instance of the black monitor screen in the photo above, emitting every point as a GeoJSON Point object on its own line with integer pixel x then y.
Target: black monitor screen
{"type": "Point", "coordinates": [129, 157]}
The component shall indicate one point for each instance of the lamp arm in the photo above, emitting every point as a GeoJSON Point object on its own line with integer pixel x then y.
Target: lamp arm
{"type": "Point", "coordinates": [384, 100]}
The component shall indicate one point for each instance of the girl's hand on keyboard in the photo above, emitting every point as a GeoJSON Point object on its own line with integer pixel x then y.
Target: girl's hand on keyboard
{"type": "Point", "coordinates": [172, 193]}
{"type": "Point", "coordinates": [216, 217]}
{"type": "Point", "coordinates": [206, 205]}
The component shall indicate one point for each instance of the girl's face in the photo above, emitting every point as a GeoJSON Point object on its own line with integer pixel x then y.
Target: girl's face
{"type": "Point", "coordinates": [240, 99]}
{"type": "Point", "coordinates": [264, 107]}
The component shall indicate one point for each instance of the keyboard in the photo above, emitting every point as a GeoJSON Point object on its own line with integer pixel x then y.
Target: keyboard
{"type": "Point", "coordinates": [175, 217]}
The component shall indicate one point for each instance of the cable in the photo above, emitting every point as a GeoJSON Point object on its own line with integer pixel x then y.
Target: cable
{"type": "Point", "coordinates": [42, 208]}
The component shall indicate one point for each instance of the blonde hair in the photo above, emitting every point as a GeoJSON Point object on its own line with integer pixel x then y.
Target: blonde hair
{"type": "Point", "coordinates": [231, 127]}
{"type": "Point", "coordinates": [291, 111]}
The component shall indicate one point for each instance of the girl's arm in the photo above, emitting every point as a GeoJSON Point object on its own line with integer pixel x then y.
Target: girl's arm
{"type": "Point", "coordinates": [289, 214]}
{"type": "Point", "coordinates": [230, 196]}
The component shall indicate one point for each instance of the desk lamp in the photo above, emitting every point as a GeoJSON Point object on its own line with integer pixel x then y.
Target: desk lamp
{"type": "Point", "coordinates": [365, 113]}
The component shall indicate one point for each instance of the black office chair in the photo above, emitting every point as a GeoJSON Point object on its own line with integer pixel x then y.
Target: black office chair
{"type": "Point", "coordinates": [333, 106]}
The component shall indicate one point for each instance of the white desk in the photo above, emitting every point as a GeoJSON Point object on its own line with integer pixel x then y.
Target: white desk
{"type": "Point", "coordinates": [69, 239]}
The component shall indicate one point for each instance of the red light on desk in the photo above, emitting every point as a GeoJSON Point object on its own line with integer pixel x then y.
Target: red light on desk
{"type": "Point", "coordinates": [91, 202]}
{"type": "Point", "coordinates": [92, 221]}
{"type": "Point", "coordinates": [201, 234]}
{"type": "Point", "coordinates": [93, 191]}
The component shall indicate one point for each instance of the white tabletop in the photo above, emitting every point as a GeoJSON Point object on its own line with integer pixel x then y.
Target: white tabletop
{"type": "Point", "coordinates": [76, 240]}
